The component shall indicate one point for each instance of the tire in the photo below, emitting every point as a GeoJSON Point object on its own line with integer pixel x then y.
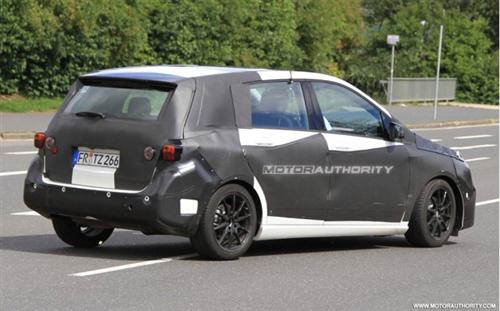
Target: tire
{"type": "Point", "coordinates": [79, 236]}
{"type": "Point", "coordinates": [433, 217]}
{"type": "Point", "coordinates": [227, 225]}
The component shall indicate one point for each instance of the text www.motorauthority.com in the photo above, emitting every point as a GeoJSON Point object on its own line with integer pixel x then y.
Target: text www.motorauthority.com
{"type": "Point", "coordinates": [455, 306]}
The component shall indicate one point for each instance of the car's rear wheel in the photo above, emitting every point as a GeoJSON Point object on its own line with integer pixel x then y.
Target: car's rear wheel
{"type": "Point", "coordinates": [80, 236]}
{"type": "Point", "coordinates": [433, 217]}
{"type": "Point", "coordinates": [227, 225]}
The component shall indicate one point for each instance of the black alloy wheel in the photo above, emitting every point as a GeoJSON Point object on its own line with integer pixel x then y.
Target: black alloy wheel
{"type": "Point", "coordinates": [433, 217]}
{"type": "Point", "coordinates": [439, 212]}
{"type": "Point", "coordinates": [227, 224]}
{"type": "Point", "coordinates": [232, 222]}
{"type": "Point", "coordinates": [77, 235]}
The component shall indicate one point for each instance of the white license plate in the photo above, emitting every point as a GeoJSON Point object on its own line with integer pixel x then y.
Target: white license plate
{"type": "Point", "coordinates": [97, 157]}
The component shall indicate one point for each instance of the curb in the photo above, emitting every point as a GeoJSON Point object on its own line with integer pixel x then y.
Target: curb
{"type": "Point", "coordinates": [29, 135]}
{"type": "Point", "coordinates": [475, 106]}
{"type": "Point", "coordinates": [16, 135]}
{"type": "Point", "coordinates": [452, 123]}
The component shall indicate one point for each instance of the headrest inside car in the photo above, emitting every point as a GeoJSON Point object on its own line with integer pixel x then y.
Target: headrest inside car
{"type": "Point", "coordinates": [274, 100]}
{"type": "Point", "coordinates": [139, 105]}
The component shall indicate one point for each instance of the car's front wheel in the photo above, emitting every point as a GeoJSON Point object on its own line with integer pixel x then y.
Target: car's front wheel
{"type": "Point", "coordinates": [80, 236]}
{"type": "Point", "coordinates": [227, 225]}
{"type": "Point", "coordinates": [433, 216]}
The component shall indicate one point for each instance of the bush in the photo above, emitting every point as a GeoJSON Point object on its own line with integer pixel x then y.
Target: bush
{"type": "Point", "coordinates": [47, 44]}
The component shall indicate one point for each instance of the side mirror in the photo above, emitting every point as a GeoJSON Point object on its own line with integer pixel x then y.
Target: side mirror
{"type": "Point", "coordinates": [396, 131]}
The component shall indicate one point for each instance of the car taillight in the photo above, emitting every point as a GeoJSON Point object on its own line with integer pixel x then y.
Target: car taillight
{"type": "Point", "coordinates": [39, 140]}
{"type": "Point", "coordinates": [171, 152]}
{"type": "Point", "coordinates": [50, 144]}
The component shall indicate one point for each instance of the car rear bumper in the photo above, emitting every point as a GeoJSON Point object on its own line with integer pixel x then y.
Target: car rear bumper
{"type": "Point", "coordinates": [153, 210]}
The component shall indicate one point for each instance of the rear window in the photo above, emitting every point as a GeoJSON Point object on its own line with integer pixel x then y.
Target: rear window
{"type": "Point", "coordinates": [115, 102]}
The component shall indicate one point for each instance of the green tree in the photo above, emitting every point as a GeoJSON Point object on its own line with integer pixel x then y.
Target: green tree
{"type": "Point", "coordinates": [474, 9]}
{"type": "Point", "coordinates": [49, 43]}
{"type": "Point", "coordinates": [466, 51]}
{"type": "Point", "coordinates": [377, 12]}
{"type": "Point", "coordinates": [262, 33]}
{"type": "Point", "coordinates": [328, 31]}
{"type": "Point", "coordinates": [467, 56]}
{"type": "Point", "coordinates": [16, 42]}
{"type": "Point", "coordinates": [188, 32]}
{"type": "Point", "coordinates": [224, 32]}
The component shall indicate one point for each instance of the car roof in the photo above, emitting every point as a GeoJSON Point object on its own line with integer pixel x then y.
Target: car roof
{"type": "Point", "coordinates": [167, 73]}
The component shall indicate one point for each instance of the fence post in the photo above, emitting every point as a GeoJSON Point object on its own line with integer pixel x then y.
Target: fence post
{"type": "Point", "coordinates": [392, 76]}
{"type": "Point", "coordinates": [437, 72]}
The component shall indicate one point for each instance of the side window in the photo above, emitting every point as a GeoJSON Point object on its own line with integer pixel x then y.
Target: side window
{"type": "Point", "coordinates": [278, 105]}
{"type": "Point", "coordinates": [345, 111]}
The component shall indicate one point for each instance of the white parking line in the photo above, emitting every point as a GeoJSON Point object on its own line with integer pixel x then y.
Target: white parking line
{"type": "Point", "coordinates": [487, 202]}
{"type": "Point", "coordinates": [436, 140]}
{"type": "Point", "coordinates": [453, 127]}
{"type": "Point", "coordinates": [472, 136]}
{"type": "Point", "coordinates": [30, 213]}
{"type": "Point", "coordinates": [473, 147]}
{"type": "Point", "coordinates": [21, 152]}
{"type": "Point", "coordinates": [132, 265]}
{"type": "Point", "coordinates": [477, 159]}
{"type": "Point", "coordinates": [12, 173]}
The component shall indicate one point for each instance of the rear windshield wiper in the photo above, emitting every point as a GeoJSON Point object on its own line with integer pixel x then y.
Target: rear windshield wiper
{"type": "Point", "coordinates": [91, 114]}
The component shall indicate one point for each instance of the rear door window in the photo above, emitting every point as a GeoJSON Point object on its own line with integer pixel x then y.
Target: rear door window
{"type": "Point", "coordinates": [278, 105]}
{"type": "Point", "coordinates": [115, 102]}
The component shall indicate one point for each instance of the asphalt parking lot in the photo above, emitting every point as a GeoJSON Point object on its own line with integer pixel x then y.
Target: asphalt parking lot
{"type": "Point", "coordinates": [133, 271]}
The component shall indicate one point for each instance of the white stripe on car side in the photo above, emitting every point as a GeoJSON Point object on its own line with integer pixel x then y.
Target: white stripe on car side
{"type": "Point", "coordinates": [306, 228]}
{"type": "Point", "coordinates": [349, 143]}
{"type": "Point", "coordinates": [302, 75]}
{"type": "Point", "coordinates": [263, 203]}
{"type": "Point", "coordinates": [271, 137]}
{"type": "Point", "coordinates": [336, 142]}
